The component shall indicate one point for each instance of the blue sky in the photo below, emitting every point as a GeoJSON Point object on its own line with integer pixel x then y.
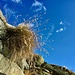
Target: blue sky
{"type": "Point", "coordinates": [53, 21]}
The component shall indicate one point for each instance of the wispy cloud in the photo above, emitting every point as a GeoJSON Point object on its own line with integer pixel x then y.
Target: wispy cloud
{"type": "Point", "coordinates": [8, 12]}
{"type": "Point", "coordinates": [64, 23]}
{"type": "Point", "coordinates": [61, 29]}
{"type": "Point", "coordinates": [52, 28]}
{"type": "Point", "coordinates": [17, 1]}
{"type": "Point", "coordinates": [38, 6]}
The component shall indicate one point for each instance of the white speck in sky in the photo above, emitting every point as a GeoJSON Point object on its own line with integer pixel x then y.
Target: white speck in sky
{"type": "Point", "coordinates": [44, 8]}
{"type": "Point", "coordinates": [61, 29]}
{"type": "Point", "coordinates": [57, 31]}
{"type": "Point", "coordinates": [61, 23]}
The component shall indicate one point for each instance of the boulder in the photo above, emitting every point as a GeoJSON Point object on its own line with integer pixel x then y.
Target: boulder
{"type": "Point", "coordinates": [8, 67]}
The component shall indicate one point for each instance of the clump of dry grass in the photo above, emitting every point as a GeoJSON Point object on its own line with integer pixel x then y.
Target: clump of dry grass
{"type": "Point", "coordinates": [20, 42]}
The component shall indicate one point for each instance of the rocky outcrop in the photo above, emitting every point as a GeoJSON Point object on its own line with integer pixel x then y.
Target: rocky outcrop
{"type": "Point", "coordinates": [31, 64]}
{"type": "Point", "coordinates": [8, 67]}
{"type": "Point", "coordinates": [37, 67]}
{"type": "Point", "coordinates": [47, 69]}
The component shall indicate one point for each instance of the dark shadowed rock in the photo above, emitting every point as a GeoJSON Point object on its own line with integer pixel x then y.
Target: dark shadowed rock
{"type": "Point", "coordinates": [2, 74]}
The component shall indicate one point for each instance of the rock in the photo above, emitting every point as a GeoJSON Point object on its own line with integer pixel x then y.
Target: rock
{"type": "Point", "coordinates": [38, 60]}
{"type": "Point", "coordinates": [45, 68]}
{"type": "Point", "coordinates": [8, 67]}
{"type": "Point", "coordinates": [2, 74]}
{"type": "Point", "coordinates": [22, 64]}
{"type": "Point", "coordinates": [2, 16]}
{"type": "Point", "coordinates": [31, 65]}
{"type": "Point", "coordinates": [2, 25]}
{"type": "Point", "coordinates": [49, 69]}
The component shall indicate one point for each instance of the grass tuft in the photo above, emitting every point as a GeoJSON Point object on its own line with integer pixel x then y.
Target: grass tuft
{"type": "Point", "coordinates": [19, 42]}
